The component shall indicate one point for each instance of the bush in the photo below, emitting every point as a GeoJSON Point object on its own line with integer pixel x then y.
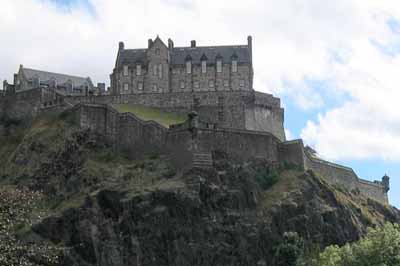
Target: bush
{"type": "Point", "coordinates": [380, 247]}
{"type": "Point", "coordinates": [266, 178]}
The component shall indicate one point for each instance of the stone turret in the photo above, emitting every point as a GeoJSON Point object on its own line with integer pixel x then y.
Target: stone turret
{"type": "Point", "coordinates": [386, 183]}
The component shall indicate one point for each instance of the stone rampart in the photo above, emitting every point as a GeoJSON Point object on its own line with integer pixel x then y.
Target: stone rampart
{"type": "Point", "coordinates": [229, 109]}
{"type": "Point", "coordinates": [182, 142]}
{"type": "Point", "coordinates": [293, 152]}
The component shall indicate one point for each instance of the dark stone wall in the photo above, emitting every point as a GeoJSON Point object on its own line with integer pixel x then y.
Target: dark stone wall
{"type": "Point", "coordinates": [240, 110]}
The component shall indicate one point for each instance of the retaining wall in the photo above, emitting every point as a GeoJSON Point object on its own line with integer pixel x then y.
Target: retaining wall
{"type": "Point", "coordinates": [293, 152]}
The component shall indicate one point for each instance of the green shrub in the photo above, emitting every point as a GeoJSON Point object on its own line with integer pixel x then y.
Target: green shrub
{"type": "Point", "coordinates": [380, 247]}
{"type": "Point", "coordinates": [266, 178]}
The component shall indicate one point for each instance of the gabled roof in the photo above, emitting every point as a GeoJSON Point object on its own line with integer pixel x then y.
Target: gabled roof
{"type": "Point", "coordinates": [242, 52]}
{"type": "Point", "coordinates": [179, 55]}
{"type": "Point", "coordinates": [45, 77]}
{"type": "Point", "coordinates": [132, 56]}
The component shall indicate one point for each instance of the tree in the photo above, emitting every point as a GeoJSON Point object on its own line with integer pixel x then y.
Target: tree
{"type": "Point", "coordinates": [288, 252]}
{"type": "Point", "coordinates": [380, 247]}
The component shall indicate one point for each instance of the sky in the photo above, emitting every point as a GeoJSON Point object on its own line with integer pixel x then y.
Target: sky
{"type": "Point", "coordinates": [334, 64]}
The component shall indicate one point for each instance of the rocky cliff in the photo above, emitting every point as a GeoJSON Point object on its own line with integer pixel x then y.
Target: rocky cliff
{"type": "Point", "coordinates": [103, 208]}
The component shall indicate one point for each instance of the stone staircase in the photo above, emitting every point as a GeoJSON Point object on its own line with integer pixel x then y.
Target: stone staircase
{"type": "Point", "coordinates": [202, 160]}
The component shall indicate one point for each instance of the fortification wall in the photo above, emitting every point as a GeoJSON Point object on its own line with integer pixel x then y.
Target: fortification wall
{"type": "Point", "coordinates": [373, 190]}
{"type": "Point", "coordinates": [127, 131]}
{"type": "Point", "coordinates": [240, 145]}
{"type": "Point", "coordinates": [22, 105]}
{"type": "Point", "coordinates": [240, 110]}
{"type": "Point", "coordinates": [293, 152]}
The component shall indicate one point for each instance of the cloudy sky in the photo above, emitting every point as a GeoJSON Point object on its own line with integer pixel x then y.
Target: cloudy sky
{"type": "Point", "coordinates": [335, 64]}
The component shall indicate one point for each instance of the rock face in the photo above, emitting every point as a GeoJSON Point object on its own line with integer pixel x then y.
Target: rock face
{"type": "Point", "coordinates": [110, 210]}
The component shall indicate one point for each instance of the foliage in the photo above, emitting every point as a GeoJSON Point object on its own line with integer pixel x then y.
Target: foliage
{"type": "Point", "coordinates": [266, 178]}
{"type": "Point", "coordinates": [17, 207]}
{"type": "Point", "coordinates": [290, 250]}
{"type": "Point", "coordinates": [380, 247]}
{"type": "Point", "coordinates": [147, 113]}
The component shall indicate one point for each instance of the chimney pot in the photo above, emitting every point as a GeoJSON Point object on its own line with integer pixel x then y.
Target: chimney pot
{"type": "Point", "coordinates": [150, 43]}
{"type": "Point", "coordinates": [193, 43]}
{"type": "Point", "coordinates": [121, 45]}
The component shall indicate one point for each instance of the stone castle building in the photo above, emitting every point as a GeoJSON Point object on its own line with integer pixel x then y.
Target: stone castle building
{"type": "Point", "coordinates": [163, 69]}
{"type": "Point", "coordinates": [27, 79]}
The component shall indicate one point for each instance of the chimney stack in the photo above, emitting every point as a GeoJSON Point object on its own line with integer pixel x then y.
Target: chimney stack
{"type": "Point", "coordinates": [121, 45]}
{"type": "Point", "coordinates": [193, 43]}
{"type": "Point", "coordinates": [170, 44]}
{"type": "Point", "coordinates": [150, 43]}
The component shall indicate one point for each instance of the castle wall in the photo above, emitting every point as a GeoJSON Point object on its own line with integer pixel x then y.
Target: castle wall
{"type": "Point", "coordinates": [293, 152]}
{"type": "Point", "coordinates": [239, 145]}
{"type": "Point", "coordinates": [240, 110]}
{"type": "Point", "coordinates": [373, 190]}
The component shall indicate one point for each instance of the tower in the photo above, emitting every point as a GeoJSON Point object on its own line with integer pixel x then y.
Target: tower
{"type": "Point", "coordinates": [385, 183]}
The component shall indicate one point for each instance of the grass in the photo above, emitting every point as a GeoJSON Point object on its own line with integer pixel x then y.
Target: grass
{"type": "Point", "coordinates": [147, 113]}
{"type": "Point", "coordinates": [287, 182]}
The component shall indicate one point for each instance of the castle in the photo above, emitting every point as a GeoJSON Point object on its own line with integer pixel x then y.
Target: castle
{"type": "Point", "coordinates": [211, 85]}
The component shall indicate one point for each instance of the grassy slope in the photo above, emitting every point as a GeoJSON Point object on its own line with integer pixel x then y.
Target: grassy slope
{"type": "Point", "coordinates": [147, 113]}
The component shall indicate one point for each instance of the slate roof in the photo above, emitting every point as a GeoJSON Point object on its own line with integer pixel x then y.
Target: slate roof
{"type": "Point", "coordinates": [45, 77]}
{"type": "Point", "coordinates": [179, 55]}
{"type": "Point", "coordinates": [132, 56]}
{"type": "Point", "coordinates": [242, 53]}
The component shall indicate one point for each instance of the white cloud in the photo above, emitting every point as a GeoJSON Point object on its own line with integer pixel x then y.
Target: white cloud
{"type": "Point", "coordinates": [294, 41]}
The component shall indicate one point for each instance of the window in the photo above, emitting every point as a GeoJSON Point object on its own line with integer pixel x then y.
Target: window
{"type": "Point", "coordinates": [226, 83]}
{"type": "Point", "coordinates": [126, 70]}
{"type": "Point", "coordinates": [211, 83]}
{"type": "Point", "coordinates": [219, 66]}
{"type": "Point", "coordinates": [188, 67]}
{"type": "Point", "coordinates": [155, 70]}
{"type": "Point", "coordinates": [140, 85]}
{"type": "Point", "coordinates": [241, 83]}
{"type": "Point", "coordinates": [196, 84]}
{"type": "Point", "coordinates": [160, 71]}
{"type": "Point", "coordinates": [160, 89]}
{"type": "Point", "coordinates": [154, 87]}
{"type": "Point", "coordinates": [234, 65]}
{"type": "Point", "coordinates": [126, 86]}
{"type": "Point", "coordinates": [157, 51]}
{"type": "Point", "coordinates": [138, 70]}
{"type": "Point", "coordinates": [203, 66]}
{"type": "Point", "coordinates": [182, 84]}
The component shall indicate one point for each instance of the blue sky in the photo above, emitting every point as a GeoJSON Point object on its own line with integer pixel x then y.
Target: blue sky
{"type": "Point", "coordinates": [334, 64]}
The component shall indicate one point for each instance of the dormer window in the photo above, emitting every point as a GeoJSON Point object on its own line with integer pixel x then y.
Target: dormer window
{"type": "Point", "coordinates": [188, 64]}
{"type": "Point", "coordinates": [188, 67]}
{"type": "Point", "coordinates": [234, 65]}
{"type": "Point", "coordinates": [138, 69]}
{"type": "Point", "coordinates": [219, 64]}
{"type": "Point", "coordinates": [203, 67]}
{"type": "Point", "coordinates": [234, 62]}
{"type": "Point", "coordinates": [126, 71]}
{"type": "Point", "coordinates": [203, 60]}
